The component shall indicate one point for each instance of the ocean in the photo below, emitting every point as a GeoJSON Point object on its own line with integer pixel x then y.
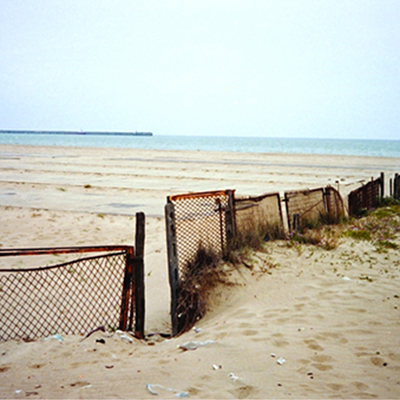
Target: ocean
{"type": "Point", "coordinates": [352, 147]}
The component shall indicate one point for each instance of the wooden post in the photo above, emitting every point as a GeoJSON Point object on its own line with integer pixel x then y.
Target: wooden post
{"type": "Point", "coordinates": [296, 222]}
{"type": "Point", "coordinates": [230, 220]}
{"type": "Point", "coordinates": [391, 187]}
{"type": "Point", "coordinates": [173, 270]}
{"type": "Point", "coordinates": [139, 297]}
{"type": "Point", "coordinates": [382, 184]}
{"type": "Point", "coordinates": [286, 200]}
{"type": "Point", "coordinates": [396, 190]}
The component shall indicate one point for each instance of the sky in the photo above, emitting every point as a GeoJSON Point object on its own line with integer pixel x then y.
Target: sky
{"type": "Point", "coordinates": [273, 68]}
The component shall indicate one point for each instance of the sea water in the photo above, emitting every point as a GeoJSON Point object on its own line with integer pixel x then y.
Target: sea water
{"type": "Point", "coordinates": [379, 148]}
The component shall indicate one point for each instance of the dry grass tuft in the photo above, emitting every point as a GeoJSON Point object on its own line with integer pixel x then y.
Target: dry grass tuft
{"type": "Point", "coordinates": [198, 280]}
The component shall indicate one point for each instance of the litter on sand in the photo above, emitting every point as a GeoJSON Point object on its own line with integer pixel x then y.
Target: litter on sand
{"type": "Point", "coordinates": [193, 345]}
{"type": "Point", "coordinates": [150, 387]}
{"type": "Point", "coordinates": [280, 361]}
{"type": "Point", "coordinates": [55, 337]}
{"type": "Point", "coordinates": [233, 377]}
{"type": "Point", "coordinates": [124, 336]}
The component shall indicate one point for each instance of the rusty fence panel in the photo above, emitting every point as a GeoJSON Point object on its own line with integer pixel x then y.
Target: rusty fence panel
{"type": "Point", "coordinates": [252, 211]}
{"type": "Point", "coordinates": [105, 288]}
{"type": "Point", "coordinates": [366, 196]}
{"type": "Point", "coordinates": [195, 220]}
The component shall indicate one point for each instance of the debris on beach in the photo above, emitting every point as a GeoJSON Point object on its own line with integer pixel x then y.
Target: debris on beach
{"type": "Point", "coordinates": [124, 336]}
{"type": "Point", "coordinates": [280, 361]}
{"type": "Point", "coordinates": [150, 387]}
{"type": "Point", "coordinates": [233, 377]}
{"type": "Point", "coordinates": [193, 345]}
{"type": "Point", "coordinates": [55, 337]}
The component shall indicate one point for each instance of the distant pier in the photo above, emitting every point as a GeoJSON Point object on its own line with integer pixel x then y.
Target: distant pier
{"type": "Point", "coordinates": [90, 133]}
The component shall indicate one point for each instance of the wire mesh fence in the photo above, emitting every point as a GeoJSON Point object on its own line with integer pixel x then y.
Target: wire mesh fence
{"type": "Point", "coordinates": [197, 220]}
{"type": "Point", "coordinates": [260, 213]}
{"type": "Point", "coordinates": [304, 205]}
{"type": "Point", "coordinates": [70, 298]}
{"type": "Point", "coordinates": [309, 207]}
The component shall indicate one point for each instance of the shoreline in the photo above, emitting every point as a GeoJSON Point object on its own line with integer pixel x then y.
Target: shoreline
{"type": "Point", "coordinates": [234, 154]}
{"type": "Point", "coordinates": [238, 145]}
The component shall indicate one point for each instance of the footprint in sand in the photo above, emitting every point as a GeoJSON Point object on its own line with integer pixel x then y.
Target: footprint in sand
{"type": "Point", "coordinates": [244, 392]}
{"type": "Point", "coordinates": [336, 386]}
{"type": "Point", "coordinates": [378, 361]}
{"type": "Point", "coordinates": [337, 337]}
{"type": "Point", "coordinates": [322, 367]}
{"type": "Point", "coordinates": [4, 368]}
{"type": "Point", "coordinates": [360, 386]}
{"type": "Point", "coordinates": [322, 358]}
{"type": "Point", "coordinates": [280, 343]}
{"type": "Point", "coordinates": [250, 332]}
{"type": "Point", "coordinates": [313, 345]}
{"type": "Point", "coordinates": [36, 366]}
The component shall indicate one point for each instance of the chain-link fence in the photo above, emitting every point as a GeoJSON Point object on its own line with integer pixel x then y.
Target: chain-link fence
{"type": "Point", "coordinates": [70, 298]}
{"type": "Point", "coordinates": [195, 221]}
{"type": "Point", "coordinates": [105, 289]}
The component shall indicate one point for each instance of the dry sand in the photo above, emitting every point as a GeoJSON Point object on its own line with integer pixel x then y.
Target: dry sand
{"type": "Point", "coordinates": [337, 332]}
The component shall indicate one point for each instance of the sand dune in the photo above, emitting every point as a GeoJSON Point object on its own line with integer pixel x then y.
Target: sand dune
{"type": "Point", "coordinates": [303, 323]}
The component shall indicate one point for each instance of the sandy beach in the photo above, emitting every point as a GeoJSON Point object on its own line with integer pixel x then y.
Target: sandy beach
{"type": "Point", "coordinates": [308, 326]}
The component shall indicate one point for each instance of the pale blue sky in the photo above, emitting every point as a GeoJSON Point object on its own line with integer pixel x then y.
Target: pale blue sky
{"type": "Point", "coordinates": [289, 68]}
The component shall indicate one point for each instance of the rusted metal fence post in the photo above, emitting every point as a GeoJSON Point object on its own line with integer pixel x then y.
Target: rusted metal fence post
{"type": "Point", "coordinates": [126, 290]}
{"type": "Point", "coordinates": [172, 263]}
{"type": "Point", "coordinates": [230, 221]}
{"type": "Point", "coordinates": [139, 298]}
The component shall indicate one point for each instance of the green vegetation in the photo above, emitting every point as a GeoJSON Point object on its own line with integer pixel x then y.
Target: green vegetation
{"type": "Point", "coordinates": [379, 227]}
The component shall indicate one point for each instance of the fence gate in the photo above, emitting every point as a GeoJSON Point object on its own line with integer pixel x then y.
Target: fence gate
{"type": "Point", "coordinates": [75, 297]}
{"type": "Point", "coordinates": [192, 221]}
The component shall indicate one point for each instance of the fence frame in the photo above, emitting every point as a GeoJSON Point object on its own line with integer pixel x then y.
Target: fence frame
{"type": "Point", "coordinates": [132, 297]}
{"type": "Point", "coordinates": [293, 219]}
{"type": "Point", "coordinates": [336, 209]}
{"type": "Point", "coordinates": [250, 202]}
{"type": "Point", "coordinates": [227, 214]}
